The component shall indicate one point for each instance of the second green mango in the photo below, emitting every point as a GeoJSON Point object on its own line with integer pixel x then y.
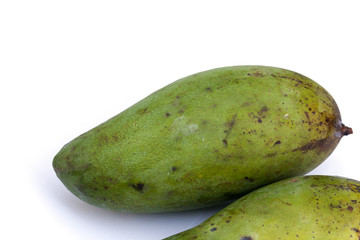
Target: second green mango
{"type": "Point", "coordinates": [300, 208]}
{"type": "Point", "coordinates": [203, 140]}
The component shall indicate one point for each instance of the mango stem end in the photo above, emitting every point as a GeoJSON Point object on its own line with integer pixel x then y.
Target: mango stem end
{"type": "Point", "coordinates": [346, 130]}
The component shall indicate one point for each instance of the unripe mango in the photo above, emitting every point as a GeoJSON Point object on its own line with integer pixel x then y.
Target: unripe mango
{"type": "Point", "coordinates": [203, 140]}
{"type": "Point", "coordinates": [308, 207]}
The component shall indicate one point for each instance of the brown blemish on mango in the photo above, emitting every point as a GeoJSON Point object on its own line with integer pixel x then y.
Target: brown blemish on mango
{"type": "Point", "coordinates": [256, 74]}
{"type": "Point", "coordinates": [319, 145]}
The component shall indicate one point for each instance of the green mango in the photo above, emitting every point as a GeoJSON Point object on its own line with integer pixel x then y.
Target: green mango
{"type": "Point", "coordinates": [308, 207]}
{"type": "Point", "coordinates": [203, 140]}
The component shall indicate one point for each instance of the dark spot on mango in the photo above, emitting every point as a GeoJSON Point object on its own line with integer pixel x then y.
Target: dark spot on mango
{"type": "Point", "coordinates": [249, 179]}
{"type": "Point", "coordinates": [138, 187]}
{"type": "Point", "coordinates": [174, 168]}
{"type": "Point", "coordinates": [270, 155]}
{"type": "Point", "coordinates": [143, 111]}
{"type": "Point", "coordinates": [277, 143]}
{"type": "Point", "coordinates": [116, 138]}
{"type": "Point", "coordinates": [208, 89]}
{"type": "Point", "coordinates": [332, 206]}
{"type": "Point", "coordinates": [264, 109]}
{"type": "Point", "coordinates": [246, 238]}
{"type": "Point", "coordinates": [231, 123]}
{"type": "Point", "coordinates": [298, 82]}
{"type": "Point", "coordinates": [213, 229]}
{"type": "Point", "coordinates": [204, 122]}
{"type": "Point", "coordinates": [167, 114]}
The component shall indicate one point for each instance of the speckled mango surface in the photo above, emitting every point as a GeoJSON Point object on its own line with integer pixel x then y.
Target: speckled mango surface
{"type": "Point", "coordinates": [205, 139]}
{"type": "Point", "coordinates": [306, 208]}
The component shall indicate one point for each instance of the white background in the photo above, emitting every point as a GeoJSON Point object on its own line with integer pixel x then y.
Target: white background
{"type": "Point", "coordinates": [66, 66]}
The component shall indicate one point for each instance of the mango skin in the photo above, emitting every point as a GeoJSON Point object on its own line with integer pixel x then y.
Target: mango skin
{"type": "Point", "coordinates": [203, 140]}
{"type": "Point", "coordinates": [308, 207]}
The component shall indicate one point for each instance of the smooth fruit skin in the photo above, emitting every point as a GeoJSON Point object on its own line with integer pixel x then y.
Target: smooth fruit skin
{"type": "Point", "coordinates": [306, 208]}
{"type": "Point", "coordinates": [204, 140]}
